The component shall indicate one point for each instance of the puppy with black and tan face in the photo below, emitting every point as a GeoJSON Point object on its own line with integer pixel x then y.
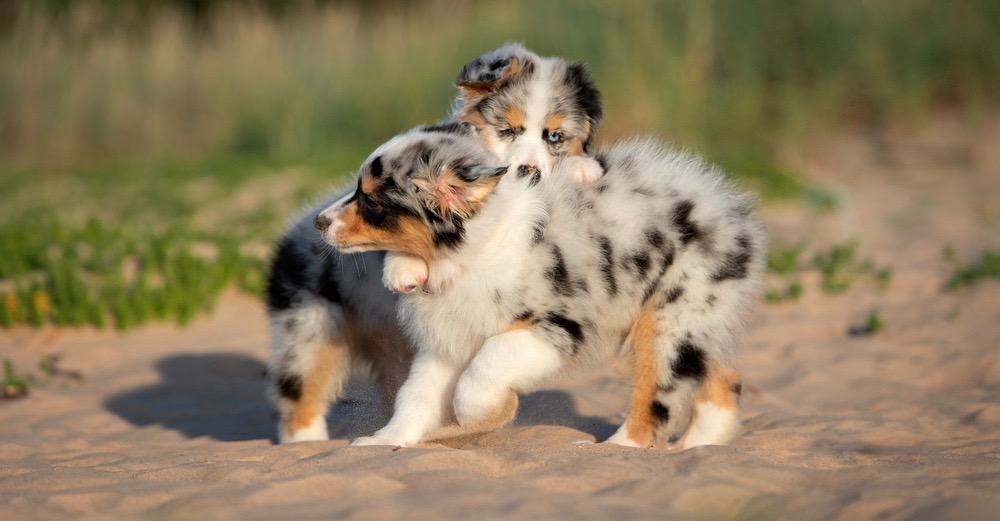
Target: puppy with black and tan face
{"type": "Point", "coordinates": [533, 113]}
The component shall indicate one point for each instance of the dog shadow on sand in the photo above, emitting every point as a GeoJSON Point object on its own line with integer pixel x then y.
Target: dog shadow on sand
{"type": "Point", "coordinates": [223, 396]}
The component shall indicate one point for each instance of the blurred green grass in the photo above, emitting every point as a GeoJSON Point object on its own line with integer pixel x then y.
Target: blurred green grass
{"type": "Point", "coordinates": [213, 120]}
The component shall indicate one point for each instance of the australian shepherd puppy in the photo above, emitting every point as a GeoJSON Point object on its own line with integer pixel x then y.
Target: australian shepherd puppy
{"type": "Point", "coordinates": [658, 259]}
{"type": "Point", "coordinates": [329, 309]}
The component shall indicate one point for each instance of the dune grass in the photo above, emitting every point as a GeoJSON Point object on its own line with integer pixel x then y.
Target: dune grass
{"type": "Point", "coordinates": [151, 151]}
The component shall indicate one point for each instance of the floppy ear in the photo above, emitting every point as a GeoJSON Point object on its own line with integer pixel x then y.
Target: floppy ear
{"type": "Point", "coordinates": [459, 194]}
{"type": "Point", "coordinates": [488, 72]}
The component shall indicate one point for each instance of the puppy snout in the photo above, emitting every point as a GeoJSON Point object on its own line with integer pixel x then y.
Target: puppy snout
{"type": "Point", "coordinates": [322, 222]}
{"type": "Point", "coordinates": [528, 170]}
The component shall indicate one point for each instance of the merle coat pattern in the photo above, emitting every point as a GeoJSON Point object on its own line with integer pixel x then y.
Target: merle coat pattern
{"type": "Point", "coordinates": [659, 259]}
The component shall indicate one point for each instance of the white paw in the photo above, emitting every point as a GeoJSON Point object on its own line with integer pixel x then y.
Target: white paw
{"type": "Point", "coordinates": [620, 437]}
{"type": "Point", "coordinates": [473, 401]}
{"type": "Point", "coordinates": [441, 277]}
{"type": "Point", "coordinates": [403, 273]}
{"type": "Point", "coordinates": [375, 441]}
{"type": "Point", "coordinates": [583, 169]}
{"type": "Point", "coordinates": [315, 431]}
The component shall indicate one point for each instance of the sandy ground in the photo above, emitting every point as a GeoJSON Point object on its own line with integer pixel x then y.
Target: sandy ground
{"type": "Point", "coordinates": [905, 424]}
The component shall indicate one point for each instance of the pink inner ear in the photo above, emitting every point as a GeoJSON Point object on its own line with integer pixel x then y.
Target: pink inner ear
{"type": "Point", "coordinates": [451, 197]}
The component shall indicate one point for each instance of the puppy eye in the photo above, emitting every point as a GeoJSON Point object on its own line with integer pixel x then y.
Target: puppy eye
{"type": "Point", "coordinates": [554, 137]}
{"type": "Point", "coordinates": [507, 132]}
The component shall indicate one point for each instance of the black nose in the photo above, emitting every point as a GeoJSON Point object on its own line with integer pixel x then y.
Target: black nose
{"type": "Point", "coordinates": [322, 222]}
{"type": "Point", "coordinates": [526, 170]}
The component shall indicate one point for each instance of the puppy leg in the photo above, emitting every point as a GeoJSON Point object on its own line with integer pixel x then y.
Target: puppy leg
{"type": "Point", "coordinates": [423, 402]}
{"type": "Point", "coordinates": [644, 412]}
{"type": "Point", "coordinates": [309, 367]}
{"type": "Point", "coordinates": [715, 418]}
{"type": "Point", "coordinates": [507, 363]}
{"type": "Point", "coordinates": [403, 273]}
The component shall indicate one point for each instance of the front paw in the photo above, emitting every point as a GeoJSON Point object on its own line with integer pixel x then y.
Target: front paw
{"type": "Point", "coordinates": [583, 169]}
{"type": "Point", "coordinates": [376, 441]}
{"type": "Point", "coordinates": [403, 273]}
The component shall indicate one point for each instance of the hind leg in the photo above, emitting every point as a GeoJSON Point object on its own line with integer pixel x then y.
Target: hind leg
{"type": "Point", "coordinates": [715, 415]}
{"type": "Point", "coordinates": [309, 368]}
{"type": "Point", "coordinates": [644, 412]}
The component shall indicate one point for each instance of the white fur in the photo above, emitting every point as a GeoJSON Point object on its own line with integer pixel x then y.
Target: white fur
{"type": "Point", "coordinates": [712, 425]}
{"type": "Point", "coordinates": [316, 431]}
{"type": "Point", "coordinates": [517, 360]}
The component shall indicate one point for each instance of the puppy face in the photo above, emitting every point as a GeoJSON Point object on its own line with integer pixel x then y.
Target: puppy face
{"type": "Point", "coordinates": [414, 194]}
{"type": "Point", "coordinates": [529, 110]}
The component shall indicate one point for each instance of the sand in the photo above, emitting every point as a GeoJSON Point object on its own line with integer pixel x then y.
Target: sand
{"type": "Point", "coordinates": [905, 424]}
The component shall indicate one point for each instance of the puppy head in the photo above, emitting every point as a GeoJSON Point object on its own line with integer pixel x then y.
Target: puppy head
{"type": "Point", "coordinates": [529, 110]}
{"type": "Point", "coordinates": [414, 194]}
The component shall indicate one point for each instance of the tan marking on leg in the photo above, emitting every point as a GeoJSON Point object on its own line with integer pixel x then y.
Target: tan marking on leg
{"type": "Point", "coordinates": [316, 386]}
{"type": "Point", "coordinates": [645, 374]}
{"type": "Point", "coordinates": [720, 387]}
{"type": "Point", "coordinates": [519, 324]}
{"type": "Point", "coordinates": [388, 354]}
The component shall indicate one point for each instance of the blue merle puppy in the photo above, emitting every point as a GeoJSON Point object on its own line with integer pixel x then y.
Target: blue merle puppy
{"type": "Point", "coordinates": [658, 260]}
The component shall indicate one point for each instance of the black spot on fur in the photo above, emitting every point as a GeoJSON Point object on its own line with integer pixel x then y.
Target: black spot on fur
{"type": "Point", "coordinates": [660, 412]}
{"type": "Point", "coordinates": [559, 275]}
{"type": "Point", "coordinates": [710, 300]}
{"type": "Point", "coordinates": [641, 261]}
{"type": "Point", "coordinates": [655, 238]}
{"type": "Point", "coordinates": [737, 389]}
{"type": "Point", "coordinates": [608, 265]}
{"type": "Point", "coordinates": [287, 277]}
{"type": "Point", "coordinates": [538, 232]}
{"type": "Point", "coordinates": [674, 293]}
{"type": "Point", "coordinates": [570, 326]}
{"type": "Point", "coordinates": [645, 192]}
{"type": "Point", "coordinates": [682, 221]}
{"type": "Point", "coordinates": [290, 386]}
{"type": "Point", "coordinates": [690, 361]}
{"type": "Point", "coordinates": [602, 187]}
{"type": "Point", "coordinates": [736, 264]}
{"type": "Point", "coordinates": [524, 315]}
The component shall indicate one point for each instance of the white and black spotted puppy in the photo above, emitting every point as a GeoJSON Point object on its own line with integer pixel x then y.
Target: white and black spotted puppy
{"type": "Point", "coordinates": [533, 112]}
{"type": "Point", "coordinates": [329, 311]}
{"type": "Point", "coordinates": [658, 259]}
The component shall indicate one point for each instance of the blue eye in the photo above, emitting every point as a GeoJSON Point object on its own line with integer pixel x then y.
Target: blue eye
{"type": "Point", "coordinates": [552, 137]}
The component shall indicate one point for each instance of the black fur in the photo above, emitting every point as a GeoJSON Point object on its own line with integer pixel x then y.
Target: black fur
{"type": "Point", "coordinates": [287, 277]}
{"type": "Point", "coordinates": [559, 275]}
{"type": "Point", "coordinates": [682, 221]}
{"type": "Point", "coordinates": [690, 361]}
{"type": "Point", "coordinates": [736, 264]}
{"type": "Point", "coordinates": [674, 293]}
{"type": "Point", "coordinates": [327, 283]}
{"type": "Point", "coordinates": [608, 266]}
{"type": "Point", "coordinates": [448, 128]}
{"type": "Point", "coordinates": [586, 97]}
{"type": "Point", "coordinates": [570, 326]}
{"type": "Point", "coordinates": [661, 413]}
{"type": "Point", "coordinates": [290, 386]}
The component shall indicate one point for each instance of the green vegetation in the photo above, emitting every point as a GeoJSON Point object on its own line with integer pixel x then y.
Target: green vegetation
{"type": "Point", "coordinates": [76, 275]}
{"type": "Point", "coordinates": [987, 267]}
{"type": "Point", "coordinates": [873, 324]}
{"type": "Point", "coordinates": [151, 151]}
{"type": "Point", "coordinates": [14, 385]}
{"type": "Point", "coordinates": [837, 266]}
